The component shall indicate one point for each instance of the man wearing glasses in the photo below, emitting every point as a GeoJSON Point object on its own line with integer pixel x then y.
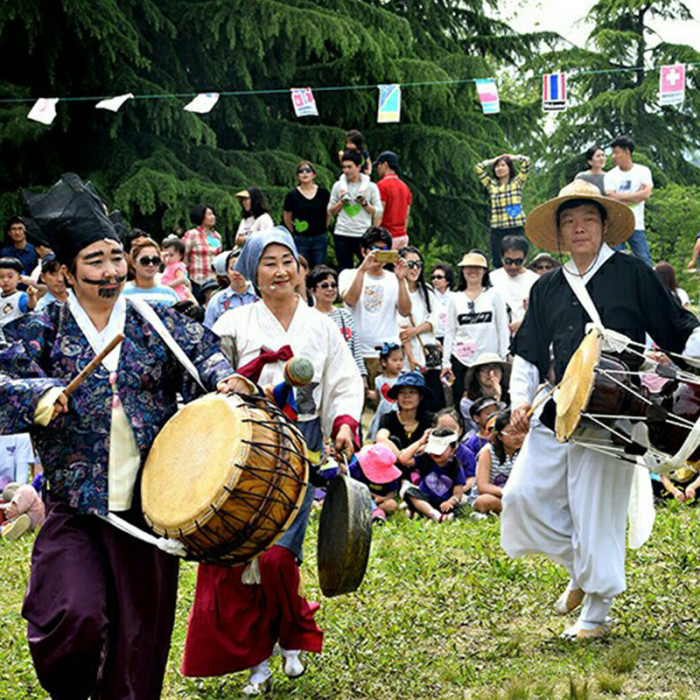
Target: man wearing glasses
{"type": "Point", "coordinates": [514, 280]}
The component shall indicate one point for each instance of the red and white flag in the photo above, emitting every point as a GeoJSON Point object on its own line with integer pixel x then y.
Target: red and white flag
{"type": "Point", "coordinates": [672, 84]}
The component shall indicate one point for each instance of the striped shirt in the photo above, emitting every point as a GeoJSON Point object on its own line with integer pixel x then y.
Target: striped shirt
{"type": "Point", "coordinates": [506, 200]}
{"type": "Point", "coordinates": [344, 320]}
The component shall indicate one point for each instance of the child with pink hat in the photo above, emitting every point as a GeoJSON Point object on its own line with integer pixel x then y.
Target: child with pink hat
{"type": "Point", "coordinates": [375, 466]}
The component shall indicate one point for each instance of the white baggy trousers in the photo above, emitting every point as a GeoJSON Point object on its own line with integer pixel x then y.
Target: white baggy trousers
{"type": "Point", "coordinates": [569, 503]}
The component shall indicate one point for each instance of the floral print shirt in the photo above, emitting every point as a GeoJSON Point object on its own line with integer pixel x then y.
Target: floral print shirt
{"type": "Point", "coordinates": [49, 349]}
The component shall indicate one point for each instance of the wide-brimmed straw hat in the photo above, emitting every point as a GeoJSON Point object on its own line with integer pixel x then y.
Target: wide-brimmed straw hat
{"type": "Point", "coordinates": [541, 223]}
{"type": "Point", "coordinates": [487, 358]}
{"type": "Point", "coordinates": [473, 260]}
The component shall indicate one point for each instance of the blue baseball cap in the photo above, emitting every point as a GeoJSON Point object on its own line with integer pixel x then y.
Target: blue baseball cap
{"type": "Point", "coordinates": [415, 380]}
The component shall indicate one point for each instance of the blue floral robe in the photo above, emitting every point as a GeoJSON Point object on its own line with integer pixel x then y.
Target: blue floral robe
{"type": "Point", "coordinates": [50, 349]}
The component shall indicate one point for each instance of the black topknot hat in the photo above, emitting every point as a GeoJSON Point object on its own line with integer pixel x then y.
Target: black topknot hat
{"type": "Point", "coordinates": [69, 217]}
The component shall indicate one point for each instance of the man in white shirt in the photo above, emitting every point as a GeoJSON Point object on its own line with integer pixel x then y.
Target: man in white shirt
{"type": "Point", "coordinates": [356, 205]}
{"type": "Point", "coordinates": [631, 184]}
{"type": "Point", "coordinates": [513, 280]}
{"type": "Point", "coordinates": [374, 296]}
{"type": "Point", "coordinates": [16, 458]}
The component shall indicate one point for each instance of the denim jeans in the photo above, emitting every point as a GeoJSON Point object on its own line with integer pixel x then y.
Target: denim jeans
{"type": "Point", "coordinates": [313, 248]}
{"type": "Point", "coordinates": [638, 245]}
{"type": "Point", "coordinates": [293, 538]}
{"type": "Point", "coordinates": [347, 248]}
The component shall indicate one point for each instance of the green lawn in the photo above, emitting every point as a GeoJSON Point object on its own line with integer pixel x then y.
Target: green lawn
{"type": "Point", "coordinates": [443, 613]}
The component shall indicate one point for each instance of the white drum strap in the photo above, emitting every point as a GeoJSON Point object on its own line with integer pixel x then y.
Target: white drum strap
{"type": "Point", "coordinates": [152, 317]}
{"type": "Point", "coordinates": [169, 546]}
{"type": "Point", "coordinates": [612, 340]}
{"type": "Point", "coordinates": [578, 287]}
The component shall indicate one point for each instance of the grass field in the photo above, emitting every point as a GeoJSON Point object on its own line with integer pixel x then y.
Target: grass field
{"type": "Point", "coordinates": [443, 613]}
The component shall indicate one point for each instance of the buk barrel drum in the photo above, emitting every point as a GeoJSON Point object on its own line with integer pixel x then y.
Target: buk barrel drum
{"type": "Point", "coordinates": [226, 476]}
{"type": "Point", "coordinates": [677, 408]}
{"type": "Point", "coordinates": [595, 391]}
{"type": "Point", "coordinates": [344, 536]}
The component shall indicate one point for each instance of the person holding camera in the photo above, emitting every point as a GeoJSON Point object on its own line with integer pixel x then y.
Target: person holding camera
{"type": "Point", "coordinates": [376, 297]}
{"type": "Point", "coordinates": [356, 205]}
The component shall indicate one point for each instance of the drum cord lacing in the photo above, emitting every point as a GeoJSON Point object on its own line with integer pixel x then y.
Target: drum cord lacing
{"type": "Point", "coordinates": [682, 374]}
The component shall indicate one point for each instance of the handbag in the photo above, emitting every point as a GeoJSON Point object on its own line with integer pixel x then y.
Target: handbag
{"type": "Point", "coordinates": [431, 351]}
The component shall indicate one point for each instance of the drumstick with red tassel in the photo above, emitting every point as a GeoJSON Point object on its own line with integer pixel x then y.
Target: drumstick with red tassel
{"type": "Point", "coordinates": [298, 371]}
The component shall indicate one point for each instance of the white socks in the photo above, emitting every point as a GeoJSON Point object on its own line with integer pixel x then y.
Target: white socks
{"type": "Point", "coordinates": [293, 667]}
{"type": "Point", "coordinates": [259, 676]}
{"type": "Point", "coordinates": [594, 611]}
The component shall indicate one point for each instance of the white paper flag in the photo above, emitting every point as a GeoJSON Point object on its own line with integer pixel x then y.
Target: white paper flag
{"type": "Point", "coordinates": [203, 103]}
{"type": "Point", "coordinates": [44, 110]}
{"type": "Point", "coordinates": [114, 103]}
{"type": "Point", "coordinates": [304, 102]}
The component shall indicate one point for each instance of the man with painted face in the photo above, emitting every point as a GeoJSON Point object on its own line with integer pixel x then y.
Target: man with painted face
{"type": "Point", "coordinates": [100, 604]}
{"type": "Point", "coordinates": [562, 499]}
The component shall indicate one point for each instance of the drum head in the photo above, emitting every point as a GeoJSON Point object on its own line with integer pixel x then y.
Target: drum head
{"type": "Point", "coordinates": [575, 389]}
{"type": "Point", "coordinates": [193, 462]}
{"type": "Point", "coordinates": [344, 536]}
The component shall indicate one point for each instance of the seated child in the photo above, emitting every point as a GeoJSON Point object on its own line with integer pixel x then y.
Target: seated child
{"type": "Point", "coordinates": [23, 508]}
{"type": "Point", "coordinates": [440, 476]}
{"type": "Point", "coordinates": [495, 463]}
{"type": "Point", "coordinates": [391, 359]}
{"type": "Point", "coordinates": [375, 466]}
{"type": "Point", "coordinates": [13, 303]}
{"type": "Point", "coordinates": [452, 419]}
{"type": "Point", "coordinates": [480, 411]}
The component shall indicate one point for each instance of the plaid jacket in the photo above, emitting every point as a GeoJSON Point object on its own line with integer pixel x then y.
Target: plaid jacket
{"type": "Point", "coordinates": [506, 200]}
{"type": "Point", "coordinates": [200, 254]}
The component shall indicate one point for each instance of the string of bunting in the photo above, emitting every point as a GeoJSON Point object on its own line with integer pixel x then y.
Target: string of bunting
{"type": "Point", "coordinates": [672, 84]}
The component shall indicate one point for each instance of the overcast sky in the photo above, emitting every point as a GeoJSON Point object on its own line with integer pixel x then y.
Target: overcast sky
{"type": "Point", "coordinates": [562, 15]}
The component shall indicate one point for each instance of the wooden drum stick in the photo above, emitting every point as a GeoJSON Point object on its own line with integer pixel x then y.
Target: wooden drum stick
{"type": "Point", "coordinates": [80, 378]}
{"type": "Point", "coordinates": [541, 401]}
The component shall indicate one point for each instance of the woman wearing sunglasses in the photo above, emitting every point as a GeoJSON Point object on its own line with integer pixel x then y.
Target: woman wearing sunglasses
{"type": "Point", "coordinates": [322, 285]}
{"type": "Point", "coordinates": [305, 214]}
{"type": "Point", "coordinates": [145, 254]}
{"type": "Point", "coordinates": [442, 278]}
{"type": "Point", "coordinates": [416, 330]}
{"type": "Point", "coordinates": [477, 323]}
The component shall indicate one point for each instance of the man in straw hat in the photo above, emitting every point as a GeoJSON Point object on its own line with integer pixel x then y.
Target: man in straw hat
{"type": "Point", "coordinates": [100, 603]}
{"type": "Point", "coordinates": [562, 499]}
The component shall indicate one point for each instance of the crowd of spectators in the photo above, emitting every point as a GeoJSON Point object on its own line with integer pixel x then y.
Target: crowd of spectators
{"type": "Point", "coordinates": [430, 340]}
